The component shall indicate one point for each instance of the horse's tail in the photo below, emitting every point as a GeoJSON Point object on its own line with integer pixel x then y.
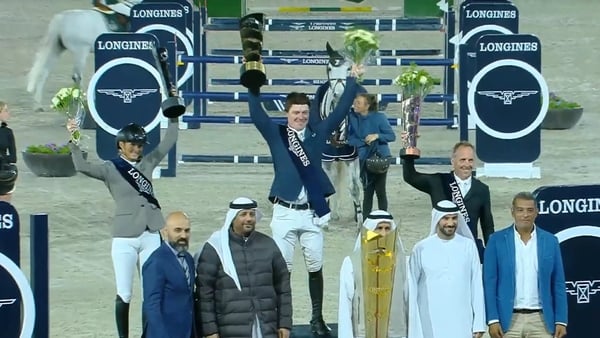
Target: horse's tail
{"type": "Point", "coordinates": [48, 52]}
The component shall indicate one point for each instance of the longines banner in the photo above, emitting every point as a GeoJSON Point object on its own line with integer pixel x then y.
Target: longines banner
{"type": "Point", "coordinates": [126, 87]}
{"type": "Point", "coordinates": [572, 213]}
{"type": "Point", "coordinates": [508, 98]}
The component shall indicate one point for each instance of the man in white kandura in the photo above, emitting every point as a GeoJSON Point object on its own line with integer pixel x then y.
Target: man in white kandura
{"type": "Point", "coordinates": [445, 287]}
{"type": "Point", "coordinates": [372, 301]}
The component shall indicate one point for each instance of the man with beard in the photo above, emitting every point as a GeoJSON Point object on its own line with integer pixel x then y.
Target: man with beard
{"type": "Point", "coordinates": [168, 278]}
{"type": "Point", "coordinates": [242, 280]}
{"type": "Point", "coordinates": [445, 287]}
{"type": "Point", "coordinates": [459, 186]}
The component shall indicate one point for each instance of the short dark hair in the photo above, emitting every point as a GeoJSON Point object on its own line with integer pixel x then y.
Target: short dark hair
{"type": "Point", "coordinates": [296, 98]}
{"type": "Point", "coordinates": [371, 101]}
{"type": "Point", "coordinates": [523, 195]}
{"type": "Point", "coordinates": [462, 144]}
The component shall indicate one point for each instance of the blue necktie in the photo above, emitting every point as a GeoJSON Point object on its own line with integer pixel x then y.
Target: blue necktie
{"type": "Point", "coordinates": [184, 265]}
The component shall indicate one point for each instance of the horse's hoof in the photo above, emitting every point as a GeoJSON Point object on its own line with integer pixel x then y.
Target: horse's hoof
{"type": "Point", "coordinates": [39, 110]}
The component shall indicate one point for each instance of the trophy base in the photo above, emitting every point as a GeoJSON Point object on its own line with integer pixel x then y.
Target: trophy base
{"type": "Point", "coordinates": [410, 153]}
{"type": "Point", "coordinates": [253, 75]}
{"type": "Point", "coordinates": [173, 107]}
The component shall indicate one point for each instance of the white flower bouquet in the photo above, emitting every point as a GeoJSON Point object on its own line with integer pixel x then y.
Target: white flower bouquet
{"type": "Point", "coordinates": [360, 45]}
{"type": "Point", "coordinates": [414, 82]}
{"type": "Point", "coordinates": [70, 101]}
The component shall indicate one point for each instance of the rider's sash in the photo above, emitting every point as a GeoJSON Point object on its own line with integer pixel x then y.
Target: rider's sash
{"type": "Point", "coordinates": [308, 172]}
{"type": "Point", "coordinates": [136, 179]}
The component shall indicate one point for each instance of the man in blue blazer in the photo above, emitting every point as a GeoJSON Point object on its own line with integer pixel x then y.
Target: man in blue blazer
{"type": "Point", "coordinates": [168, 279]}
{"type": "Point", "coordinates": [524, 279]}
{"type": "Point", "coordinates": [300, 186]}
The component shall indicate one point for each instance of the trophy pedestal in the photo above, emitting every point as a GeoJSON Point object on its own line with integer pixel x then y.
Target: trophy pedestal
{"type": "Point", "coordinates": [410, 152]}
{"type": "Point", "coordinates": [253, 75]}
{"type": "Point", "coordinates": [173, 107]}
{"type": "Point", "coordinates": [509, 170]}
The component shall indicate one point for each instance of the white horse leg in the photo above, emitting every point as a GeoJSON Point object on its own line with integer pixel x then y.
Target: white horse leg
{"type": "Point", "coordinates": [49, 52]}
{"type": "Point", "coordinates": [80, 55]}
{"type": "Point", "coordinates": [355, 188]}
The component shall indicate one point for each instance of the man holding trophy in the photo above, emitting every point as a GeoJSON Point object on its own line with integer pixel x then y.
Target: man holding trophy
{"type": "Point", "coordinates": [459, 186]}
{"type": "Point", "coordinates": [372, 282]}
{"type": "Point", "coordinates": [128, 177]}
{"type": "Point", "coordinates": [300, 186]}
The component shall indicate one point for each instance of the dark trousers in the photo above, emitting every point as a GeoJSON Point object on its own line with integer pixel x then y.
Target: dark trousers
{"type": "Point", "coordinates": [373, 184]}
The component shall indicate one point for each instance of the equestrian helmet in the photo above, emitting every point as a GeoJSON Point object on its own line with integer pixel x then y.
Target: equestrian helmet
{"type": "Point", "coordinates": [132, 133]}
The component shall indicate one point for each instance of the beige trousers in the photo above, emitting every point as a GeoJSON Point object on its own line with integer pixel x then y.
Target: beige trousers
{"type": "Point", "coordinates": [530, 325]}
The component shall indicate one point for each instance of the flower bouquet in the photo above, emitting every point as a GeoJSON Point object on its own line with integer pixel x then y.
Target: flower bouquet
{"type": "Point", "coordinates": [360, 46]}
{"type": "Point", "coordinates": [415, 83]}
{"type": "Point", "coordinates": [70, 101]}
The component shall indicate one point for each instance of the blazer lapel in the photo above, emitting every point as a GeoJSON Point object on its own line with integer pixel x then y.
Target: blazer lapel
{"type": "Point", "coordinates": [540, 250]}
{"type": "Point", "coordinates": [510, 251]}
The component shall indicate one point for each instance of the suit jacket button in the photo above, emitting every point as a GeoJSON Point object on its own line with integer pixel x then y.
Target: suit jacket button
{"type": "Point", "coordinates": [141, 205]}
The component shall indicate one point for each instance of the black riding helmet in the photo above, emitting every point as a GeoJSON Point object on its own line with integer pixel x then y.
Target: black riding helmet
{"type": "Point", "coordinates": [132, 133]}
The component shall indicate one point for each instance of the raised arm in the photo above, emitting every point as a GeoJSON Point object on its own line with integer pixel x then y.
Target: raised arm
{"type": "Point", "coordinates": [416, 179]}
{"type": "Point", "coordinates": [281, 282]}
{"type": "Point", "coordinates": [206, 276]}
{"type": "Point", "coordinates": [155, 156]}
{"type": "Point", "coordinates": [487, 220]}
{"type": "Point", "coordinates": [154, 281]}
{"type": "Point", "coordinates": [260, 118]}
{"type": "Point", "coordinates": [341, 110]}
{"type": "Point", "coordinates": [98, 171]}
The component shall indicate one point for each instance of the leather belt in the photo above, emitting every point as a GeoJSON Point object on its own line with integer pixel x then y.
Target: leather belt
{"type": "Point", "coordinates": [304, 206]}
{"type": "Point", "coordinates": [527, 311]}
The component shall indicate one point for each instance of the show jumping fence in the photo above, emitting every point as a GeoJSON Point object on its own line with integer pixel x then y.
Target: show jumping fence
{"type": "Point", "coordinates": [200, 94]}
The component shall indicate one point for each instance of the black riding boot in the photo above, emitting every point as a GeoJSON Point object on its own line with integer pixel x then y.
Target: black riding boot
{"type": "Point", "coordinates": [122, 317]}
{"type": "Point", "coordinates": [315, 287]}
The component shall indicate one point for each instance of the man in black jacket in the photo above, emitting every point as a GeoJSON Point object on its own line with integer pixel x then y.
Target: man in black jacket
{"type": "Point", "coordinates": [459, 186]}
{"type": "Point", "coordinates": [242, 280]}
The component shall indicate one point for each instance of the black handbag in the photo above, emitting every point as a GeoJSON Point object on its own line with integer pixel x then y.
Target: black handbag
{"type": "Point", "coordinates": [376, 163]}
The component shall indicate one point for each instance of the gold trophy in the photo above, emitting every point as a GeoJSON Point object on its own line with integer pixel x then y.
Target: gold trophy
{"type": "Point", "coordinates": [378, 270]}
{"type": "Point", "coordinates": [253, 72]}
{"type": "Point", "coordinates": [411, 112]}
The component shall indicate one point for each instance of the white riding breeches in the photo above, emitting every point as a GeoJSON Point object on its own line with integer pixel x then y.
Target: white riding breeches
{"type": "Point", "coordinates": [125, 253]}
{"type": "Point", "coordinates": [288, 226]}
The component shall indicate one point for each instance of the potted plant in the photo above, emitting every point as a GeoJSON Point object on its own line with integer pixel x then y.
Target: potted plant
{"type": "Point", "coordinates": [50, 160]}
{"type": "Point", "coordinates": [562, 114]}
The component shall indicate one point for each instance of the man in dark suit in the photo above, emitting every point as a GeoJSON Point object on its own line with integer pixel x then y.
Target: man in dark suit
{"type": "Point", "coordinates": [524, 278]}
{"type": "Point", "coordinates": [459, 186]}
{"type": "Point", "coordinates": [169, 283]}
{"type": "Point", "coordinates": [300, 186]}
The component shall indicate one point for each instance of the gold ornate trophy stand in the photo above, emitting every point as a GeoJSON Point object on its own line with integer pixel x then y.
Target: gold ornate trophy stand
{"type": "Point", "coordinates": [253, 72]}
{"type": "Point", "coordinates": [379, 263]}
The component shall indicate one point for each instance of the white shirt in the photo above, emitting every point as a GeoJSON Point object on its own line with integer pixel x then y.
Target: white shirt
{"type": "Point", "coordinates": [526, 272]}
{"type": "Point", "coordinates": [464, 185]}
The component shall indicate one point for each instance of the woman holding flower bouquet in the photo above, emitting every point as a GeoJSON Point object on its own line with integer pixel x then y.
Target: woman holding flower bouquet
{"type": "Point", "coordinates": [138, 217]}
{"type": "Point", "coordinates": [7, 138]}
{"type": "Point", "coordinates": [370, 132]}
